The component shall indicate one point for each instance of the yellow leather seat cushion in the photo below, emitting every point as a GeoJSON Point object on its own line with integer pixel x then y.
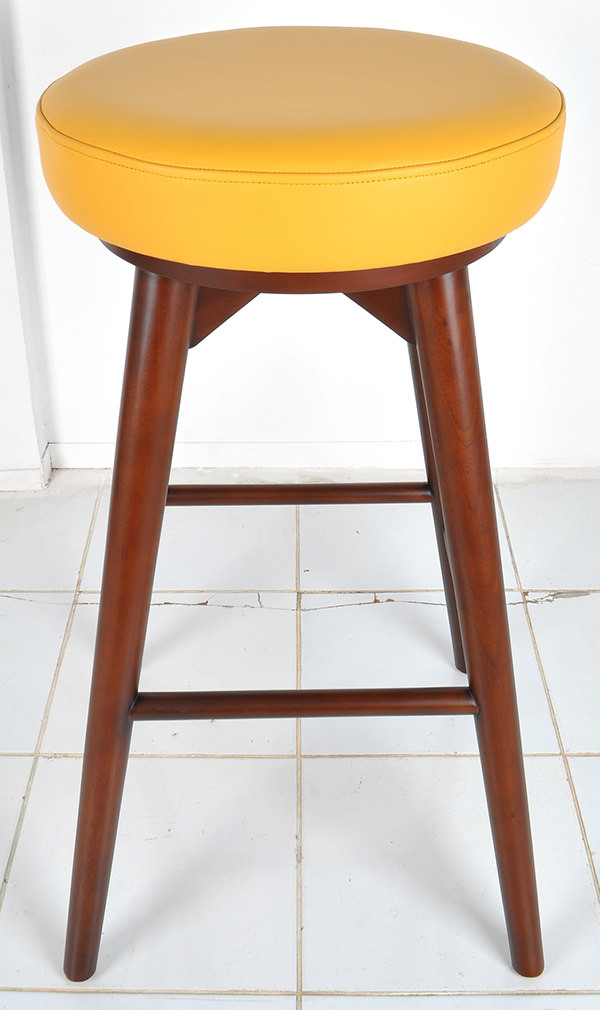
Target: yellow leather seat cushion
{"type": "Point", "coordinates": [301, 149]}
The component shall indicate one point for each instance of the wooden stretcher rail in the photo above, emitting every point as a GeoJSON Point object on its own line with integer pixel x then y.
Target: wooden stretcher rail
{"type": "Point", "coordinates": [297, 494]}
{"type": "Point", "coordinates": [301, 704]}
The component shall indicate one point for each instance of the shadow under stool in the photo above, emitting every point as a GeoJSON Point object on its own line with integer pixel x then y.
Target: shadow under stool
{"type": "Point", "coordinates": [370, 162]}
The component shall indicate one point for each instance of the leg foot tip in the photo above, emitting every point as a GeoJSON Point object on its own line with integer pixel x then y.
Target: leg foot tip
{"type": "Point", "coordinates": [532, 968]}
{"type": "Point", "coordinates": [78, 972]}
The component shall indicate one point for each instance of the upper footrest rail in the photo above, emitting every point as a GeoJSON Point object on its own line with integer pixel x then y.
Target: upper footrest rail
{"type": "Point", "coordinates": [298, 494]}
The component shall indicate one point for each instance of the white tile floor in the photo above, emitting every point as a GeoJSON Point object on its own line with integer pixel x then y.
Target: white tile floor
{"type": "Point", "coordinates": [394, 903]}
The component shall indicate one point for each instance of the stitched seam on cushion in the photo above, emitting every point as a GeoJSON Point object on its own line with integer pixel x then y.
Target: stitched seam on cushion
{"type": "Point", "coordinates": [52, 132]}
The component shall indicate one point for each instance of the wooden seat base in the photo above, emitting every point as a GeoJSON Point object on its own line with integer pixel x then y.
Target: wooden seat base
{"type": "Point", "coordinates": [173, 309]}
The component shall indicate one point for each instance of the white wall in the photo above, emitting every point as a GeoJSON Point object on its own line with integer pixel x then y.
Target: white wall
{"type": "Point", "coordinates": [314, 381]}
{"type": "Point", "coordinates": [24, 458]}
{"type": "Point", "coordinates": [20, 458]}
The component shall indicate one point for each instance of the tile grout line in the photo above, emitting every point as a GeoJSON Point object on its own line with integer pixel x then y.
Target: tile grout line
{"type": "Point", "coordinates": [419, 591]}
{"type": "Point", "coordinates": [428, 993]}
{"type": "Point", "coordinates": [130, 991]}
{"type": "Point", "coordinates": [567, 766]}
{"type": "Point", "coordinates": [370, 993]}
{"type": "Point", "coordinates": [299, 909]}
{"type": "Point", "coordinates": [44, 722]}
{"type": "Point", "coordinates": [553, 716]}
{"type": "Point", "coordinates": [320, 756]}
{"type": "Point", "coordinates": [422, 590]}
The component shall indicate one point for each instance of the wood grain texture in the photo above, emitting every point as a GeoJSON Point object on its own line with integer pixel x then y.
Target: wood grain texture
{"type": "Point", "coordinates": [297, 494]}
{"type": "Point", "coordinates": [441, 311]}
{"type": "Point", "coordinates": [161, 322]}
{"type": "Point", "coordinates": [304, 283]}
{"type": "Point", "coordinates": [213, 308]}
{"type": "Point", "coordinates": [303, 703]}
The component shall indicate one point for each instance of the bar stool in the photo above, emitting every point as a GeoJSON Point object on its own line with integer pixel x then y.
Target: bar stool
{"type": "Point", "coordinates": [370, 162]}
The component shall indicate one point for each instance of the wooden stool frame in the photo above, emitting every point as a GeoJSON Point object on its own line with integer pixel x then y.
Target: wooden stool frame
{"type": "Point", "coordinates": [174, 307]}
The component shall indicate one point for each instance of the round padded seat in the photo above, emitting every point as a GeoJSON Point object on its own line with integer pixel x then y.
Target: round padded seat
{"type": "Point", "coordinates": [301, 149]}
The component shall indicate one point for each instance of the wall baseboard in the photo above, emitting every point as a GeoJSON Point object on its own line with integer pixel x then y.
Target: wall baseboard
{"type": "Point", "coordinates": [259, 455]}
{"type": "Point", "coordinates": [274, 462]}
{"type": "Point", "coordinates": [29, 478]}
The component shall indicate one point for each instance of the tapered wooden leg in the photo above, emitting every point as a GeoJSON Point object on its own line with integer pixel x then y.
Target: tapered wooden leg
{"type": "Point", "coordinates": [438, 519]}
{"type": "Point", "coordinates": [442, 320]}
{"type": "Point", "coordinates": [390, 306]}
{"type": "Point", "coordinates": [161, 322]}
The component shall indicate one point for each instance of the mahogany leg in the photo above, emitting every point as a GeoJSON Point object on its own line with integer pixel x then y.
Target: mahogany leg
{"type": "Point", "coordinates": [161, 321]}
{"type": "Point", "coordinates": [438, 519]}
{"type": "Point", "coordinates": [447, 355]}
